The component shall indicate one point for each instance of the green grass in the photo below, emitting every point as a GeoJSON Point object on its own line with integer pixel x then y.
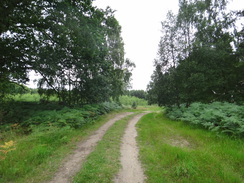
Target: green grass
{"type": "Point", "coordinates": [103, 163]}
{"type": "Point", "coordinates": [37, 156]}
{"type": "Point", "coordinates": [172, 151]}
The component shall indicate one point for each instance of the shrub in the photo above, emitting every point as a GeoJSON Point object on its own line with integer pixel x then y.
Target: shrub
{"type": "Point", "coordinates": [30, 116]}
{"type": "Point", "coordinates": [128, 100]}
{"type": "Point", "coordinates": [134, 105]}
{"type": "Point", "coordinates": [221, 117]}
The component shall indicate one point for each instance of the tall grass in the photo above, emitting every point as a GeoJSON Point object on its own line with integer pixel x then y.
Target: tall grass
{"type": "Point", "coordinates": [172, 151]}
{"type": "Point", "coordinates": [35, 137]}
{"type": "Point", "coordinates": [36, 157]}
{"type": "Point", "coordinates": [129, 100]}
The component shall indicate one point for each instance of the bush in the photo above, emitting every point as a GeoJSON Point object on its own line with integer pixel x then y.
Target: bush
{"type": "Point", "coordinates": [221, 117]}
{"type": "Point", "coordinates": [29, 116]}
{"type": "Point", "coordinates": [134, 105]}
{"type": "Point", "coordinates": [128, 100]}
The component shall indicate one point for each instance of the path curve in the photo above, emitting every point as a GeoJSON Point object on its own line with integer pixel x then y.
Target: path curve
{"type": "Point", "coordinates": [131, 171]}
{"type": "Point", "coordinates": [72, 163]}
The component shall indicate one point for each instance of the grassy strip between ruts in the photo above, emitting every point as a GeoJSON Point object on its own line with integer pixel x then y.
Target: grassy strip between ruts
{"type": "Point", "coordinates": [172, 151]}
{"type": "Point", "coordinates": [36, 157]}
{"type": "Point", "coordinates": [103, 163]}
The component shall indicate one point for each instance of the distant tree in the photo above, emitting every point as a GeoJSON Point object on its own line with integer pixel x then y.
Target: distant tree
{"type": "Point", "coordinates": [196, 59]}
{"type": "Point", "coordinates": [137, 93]}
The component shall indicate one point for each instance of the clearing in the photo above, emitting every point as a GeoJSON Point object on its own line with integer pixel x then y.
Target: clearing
{"type": "Point", "coordinates": [174, 151]}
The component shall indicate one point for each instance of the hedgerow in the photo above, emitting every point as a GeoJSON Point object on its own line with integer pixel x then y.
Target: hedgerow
{"type": "Point", "coordinates": [221, 117]}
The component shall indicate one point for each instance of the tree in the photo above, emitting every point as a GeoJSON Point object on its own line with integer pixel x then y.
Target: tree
{"type": "Point", "coordinates": [17, 40]}
{"type": "Point", "coordinates": [76, 48]}
{"type": "Point", "coordinates": [203, 64]}
{"type": "Point", "coordinates": [137, 93]}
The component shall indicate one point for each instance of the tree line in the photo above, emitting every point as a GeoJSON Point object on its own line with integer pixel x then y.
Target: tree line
{"type": "Point", "coordinates": [76, 48]}
{"type": "Point", "coordinates": [200, 55]}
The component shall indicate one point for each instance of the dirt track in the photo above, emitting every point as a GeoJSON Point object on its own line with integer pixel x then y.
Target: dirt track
{"type": "Point", "coordinates": [73, 162]}
{"type": "Point", "coordinates": [131, 171]}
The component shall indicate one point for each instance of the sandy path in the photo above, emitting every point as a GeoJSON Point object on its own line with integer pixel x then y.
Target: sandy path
{"type": "Point", "coordinates": [131, 171]}
{"type": "Point", "coordinates": [72, 163]}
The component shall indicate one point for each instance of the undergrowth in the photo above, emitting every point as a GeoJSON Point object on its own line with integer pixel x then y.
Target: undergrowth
{"type": "Point", "coordinates": [26, 116]}
{"type": "Point", "coordinates": [35, 157]}
{"type": "Point", "coordinates": [220, 117]}
{"type": "Point", "coordinates": [129, 100]}
{"type": "Point", "coordinates": [175, 152]}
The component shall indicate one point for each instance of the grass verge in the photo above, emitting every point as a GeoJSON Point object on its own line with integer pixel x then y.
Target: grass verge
{"type": "Point", "coordinates": [172, 151]}
{"type": "Point", "coordinates": [103, 163]}
{"type": "Point", "coordinates": [36, 157]}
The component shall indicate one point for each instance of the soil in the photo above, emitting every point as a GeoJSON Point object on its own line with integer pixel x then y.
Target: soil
{"type": "Point", "coordinates": [131, 171]}
{"type": "Point", "coordinates": [182, 143]}
{"type": "Point", "coordinates": [179, 141]}
{"type": "Point", "coordinates": [73, 162]}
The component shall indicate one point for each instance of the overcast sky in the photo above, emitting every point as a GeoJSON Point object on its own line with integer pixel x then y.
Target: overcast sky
{"type": "Point", "coordinates": [141, 26]}
{"type": "Point", "coordinates": [141, 31]}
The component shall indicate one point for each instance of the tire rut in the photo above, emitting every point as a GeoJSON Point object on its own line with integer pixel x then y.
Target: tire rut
{"type": "Point", "coordinates": [73, 162]}
{"type": "Point", "coordinates": [131, 171]}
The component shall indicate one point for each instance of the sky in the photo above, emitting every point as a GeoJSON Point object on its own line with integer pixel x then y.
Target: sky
{"type": "Point", "coordinates": [141, 31]}
{"type": "Point", "coordinates": [141, 26]}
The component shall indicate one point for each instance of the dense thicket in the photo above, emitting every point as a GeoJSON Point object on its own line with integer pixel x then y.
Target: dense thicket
{"type": "Point", "coordinates": [200, 57]}
{"type": "Point", "coordinates": [75, 47]}
{"type": "Point", "coordinates": [218, 116]}
{"type": "Point", "coordinates": [29, 115]}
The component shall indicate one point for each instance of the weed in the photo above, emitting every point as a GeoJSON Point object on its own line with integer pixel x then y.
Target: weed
{"type": "Point", "coordinates": [185, 169]}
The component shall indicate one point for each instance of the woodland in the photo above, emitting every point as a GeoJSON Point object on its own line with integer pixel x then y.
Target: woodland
{"type": "Point", "coordinates": [200, 55]}
{"type": "Point", "coordinates": [191, 122]}
{"type": "Point", "coordinates": [75, 47]}
{"type": "Point", "coordinates": [78, 52]}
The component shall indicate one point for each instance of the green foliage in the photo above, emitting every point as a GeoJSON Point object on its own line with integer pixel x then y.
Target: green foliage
{"type": "Point", "coordinates": [173, 151]}
{"type": "Point", "coordinates": [75, 47]}
{"type": "Point", "coordinates": [129, 100]}
{"type": "Point", "coordinates": [27, 97]}
{"type": "Point", "coordinates": [199, 57]}
{"type": "Point", "coordinates": [220, 117]}
{"type": "Point", "coordinates": [137, 93]}
{"type": "Point", "coordinates": [134, 105]}
{"type": "Point", "coordinates": [35, 157]}
{"type": "Point", "coordinates": [32, 151]}
{"type": "Point", "coordinates": [29, 115]}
